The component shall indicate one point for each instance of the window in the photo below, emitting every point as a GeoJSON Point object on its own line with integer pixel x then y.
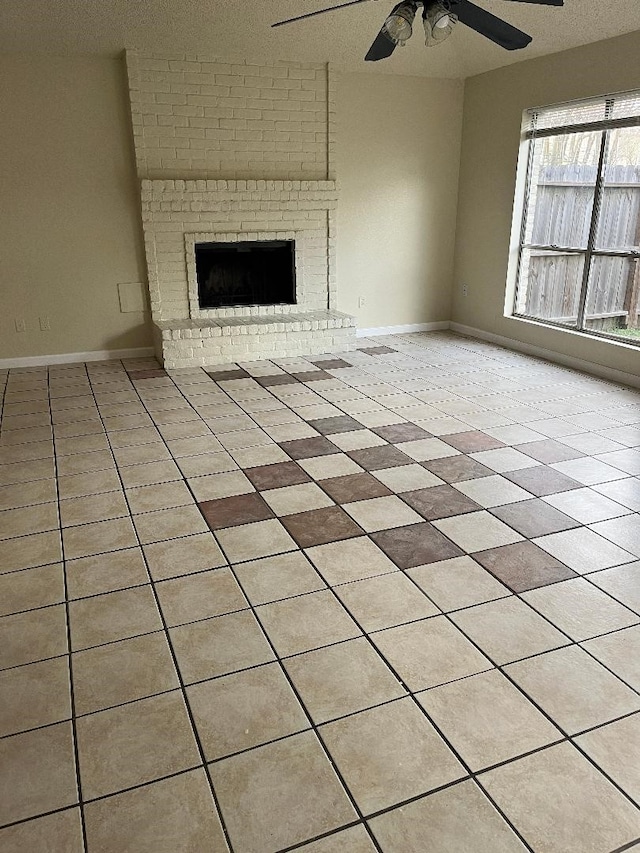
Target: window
{"type": "Point", "coordinates": [579, 252]}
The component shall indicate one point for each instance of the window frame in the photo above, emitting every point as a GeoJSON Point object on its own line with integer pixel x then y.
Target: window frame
{"type": "Point", "coordinates": [529, 136]}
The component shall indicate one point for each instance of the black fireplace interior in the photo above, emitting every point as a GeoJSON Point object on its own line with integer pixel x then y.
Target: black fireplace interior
{"type": "Point", "coordinates": [260, 272]}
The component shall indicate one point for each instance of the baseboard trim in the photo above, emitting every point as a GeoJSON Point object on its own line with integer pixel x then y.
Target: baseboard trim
{"type": "Point", "coordinates": [71, 357]}
{"type": "Point", "coordinates": [591, 367]}
{"type": "Point", "coordinates": [403, 330]}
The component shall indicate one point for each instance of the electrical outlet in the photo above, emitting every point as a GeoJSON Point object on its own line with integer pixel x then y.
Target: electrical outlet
{"type": "Point", "coordinates": [362, 302]}
{"type": "Point", "coordinates": [45, 324]}
{"type": "Point", "coordinates": [21, 325]}
{"type": "Point", "coordinates": [465, 290]}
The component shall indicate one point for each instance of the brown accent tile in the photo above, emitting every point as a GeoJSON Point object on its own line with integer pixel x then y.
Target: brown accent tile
{"type": "Point", "coordinates": [472, 441]}
{"type": "Point", "coordinates": [37, 773]}
{"type": "Point", "coordinates": [455, 469]}
{"type": "Point", "coordinates": [282, 576]}
{"type": "Point", "coordinates": [397, 433]}
{"type": "Point", "coordinates": [306, 622]}
{"type": "Point", "coordinates": [333, 426]}
{"type": "Point", "coordinates": [439, 502]}
{"type": "Point", "coordinates": [385, 601]}
{"type": "Point", "coordinates": [381, 350]}
{"type": "Point", "coordinates": [319, 526]}
{"type": "Point", "coordinates": [34, 695]}
{"type": "Point", "coordinates": [429, 652]}
{"type": "Point", "coordinates": [114, 616]}
{"type": "Point", "coordinates": [354, 487]}
{"type": "Point", "coordinates": [58, 831]}
{"type": "Point", "coordinates": [341, 679]}
{"type": "Point", "coordinates": [134, 744]}
{"type": "Point", "coordinates": [164, 817]}
{"type": "Point", "coordinates": [523, 566]}
{"type": "Point", "coordinates": [277, 379]}
{"type": "Point", "coordinates": [415, 545]}
{"type": "Point", "coordinates": [541, 481]}
{"type": "Point", "coordinates": [225, 375]}
{"type": "Point", "coordinates": [548, 451]}
{"type": "Point", "coordinates": [330, 363]}
{"type": "Point", "coordinates": [312, 375]}
{"type": "Point", "coordinates": [238, 509]}
{"type": "Point", "coordinates": [534, 518]}
{"type": "Point", "coordinates": [244, 710]}
{"type": "Point", "coordinates": [156, 373]}
{"type": "Point", "coordinates": [409, 759]}
{"type": "Point", "coordinates": [305, 448]}
{"type": "Point", "coordinates": [289, 793]}
{"type": "Point", "coordinates": [32, 636]}
{"type": "Point", "coordinates": [122, 672]}
{"type": "Point", "coordinates": [277, 476]}
{"type": "Point", "coordinates": [199, 596]}
{"type": "Point", "coordinates": [375, 458]}
{"type": "Point", "coordinates": [31, 588]}
{"type": "Point", "coordinates": [219, 646]}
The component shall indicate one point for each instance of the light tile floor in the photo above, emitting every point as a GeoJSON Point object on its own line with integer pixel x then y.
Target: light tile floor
{"type": "Point", "coordinates": [387, 600]}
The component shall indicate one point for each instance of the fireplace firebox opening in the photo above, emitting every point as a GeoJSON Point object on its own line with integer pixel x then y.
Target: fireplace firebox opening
{"type": "Point", "coordinates": [260, 272]}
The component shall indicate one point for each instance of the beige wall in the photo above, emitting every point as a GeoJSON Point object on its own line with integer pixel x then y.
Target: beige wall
{"type": "Point", "coordinates": [397, 162]}
{"type": "Point", "coordinates": [69, 213]}
{"type": "Point", "coordinates": [493, 108]}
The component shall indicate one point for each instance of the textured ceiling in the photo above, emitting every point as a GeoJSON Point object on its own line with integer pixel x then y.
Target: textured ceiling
{"type": "Point", "coordinates": [230, 28]}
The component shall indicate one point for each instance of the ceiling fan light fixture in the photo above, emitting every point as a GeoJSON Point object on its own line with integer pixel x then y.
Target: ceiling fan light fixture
{"type": "Point", "coordinates": [438, 22]}
{"type": "Point", "coordinates": [399, 25]}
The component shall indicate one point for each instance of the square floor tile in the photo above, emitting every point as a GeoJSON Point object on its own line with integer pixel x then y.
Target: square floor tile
{"type": "Point", "coordinates": [458, 582]}
{"type": "Point", "coordinates": [27, 552]}
{"type": "Point", "coordinates": [98, 537]}
{"type": "Point", "coordinates": [307, 622]}
{"type": "Point", "coordinates": [574, 689]}
{"type": "Point", "coordinates": [183, 556]}
{"type": "Point", "coordinates": [37, 773]}
{"type": "Point", "coordinates": [349, 560]}
{"type": "Point", "coordinates": [355, 839]}
{"type": "Point", "coordinates": [34, 695]}
{"type": "Point", "coordinates": [492, 491]}
{"type": "Point", "coordinates": [319, 526]}
{"type": "Point", "coordinates": [375, 458]}
{"type": "Point", "coordinates": [206, 464]}
{"type": "Point", "coordinates": [523, 566]}
{"type": "Point", "coordinates": [31, 588]}
{"type": "Point", "coordinates": [589, 471]}
{"type": "Point", "coordinates": [487, 719]}
{"type": "Point", "coordinates": [33, 636]}
{"type": "Point", "coordinates": [60, 831]}
{"type": "Point", "coordinates": [625, 532]}
{"type": "Point", "coordinates": [93, 508]}
{"type": "Point", "coordinates": [439, 502]}
{"type": "Point", "coordinates": [620, 652]}
{"type": "Point", "coordinates": [31, 519]}
{"type": "Point", "coordinates": [274, 578]}
{"type": "Point", "coordinates": [341, 679]}
{"type": "Point", "coordinates": [407, 478]}
{"type": "Point", "coordinates": [199, 596]}
{"type": "Point", "coordinates": [219, 646]}
{"type": "Point", "coordinates": [583, 550]}
{"type": "Point", "coordinates": [118, 748]}
{"type": "Point", "coordinates": [580, 609]}
{"type": "Point", "coordinates": [231, 511]}
{"type": "Point", "coordinates": [277, 476]}
{"type": "Point", "coordinates": [295, 499]}
{"type": "Point", "coordinates": [622, 582]}
{"type": "Point", "coordinates": [244, 710]}
{"type": "Point", "coordinates": [217, 486]}
{"type": "Point", "coordinates": [251, 541]}
{"type": "Point", "coordinates": [586, 505]}
{"type": "Point", "coordinates": [547, 451]}
{"type": "Point", "coordinates": [504, 459]}
{"type": "Point", "coordinates": [473, 441]}
{"type": "Point", "coordinates": [304, 448]}
{"type": "Point", "coordinates": [427, 449]}
{"type": "Point", "coordinates": [415, 545]}
{"type": "Point", "coordinates": [458, 818]}
{"type": "Point", "coordinates": [457, 468]}
{"type": "Point", "coordinates": [357, 440]}
{"type": "Point", "coordinates": [616, 750]}
{"type": "Point", "coordinates": [253, 457]}
{"type": "Point", "coordinates": [385, 601]}
{"type": "Point", "coordinates": [153, 818]}
{"type": "Point", "coordinates": [158, 496]}
{"type": "Point", "coordinates": [354, 487]}
{"type": "Point", "coordinates": [561, 803]}
{"type": "Point", "coordinates": [289, 793]}
{"type": "Point", "coordinates": [399, 433]}
{"type": "Point", "coordinates": [325, 467]}
{"type": "Point", "coordinates": [625, 492]}
{"type": "Point", "coordinates": [477, 531]}
{"type": "Point", "coordinates": [409, 760]}
{"type": "Point", "coordinates": [121, 672]}
{"type": "Point", "coordinates": [542, 481]}
{"type": "Point", "coordinates": [534, 517]}
{"type": "Point", "coordinates": [114, 616]}
{"type": "Point", "coordinates": [428, 653]}
{"type": "Point", "coordinates": [507, 629]}
{"type": "Point", "coordinates": [382, 513]}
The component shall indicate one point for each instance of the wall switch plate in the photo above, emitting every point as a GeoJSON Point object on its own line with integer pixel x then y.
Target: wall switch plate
{"type": "Point", "coordinates": [465, 289]}
{"type": "Point", "coordinates": [45, 324]}
{"type": "Point", "coordinates": [362, 302]}
{"type": "Point", "coordinates": [21, 325]}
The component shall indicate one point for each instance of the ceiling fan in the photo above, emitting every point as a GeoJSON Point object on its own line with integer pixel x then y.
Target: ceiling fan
{"type": "Point", "coordinates": [439, 17]}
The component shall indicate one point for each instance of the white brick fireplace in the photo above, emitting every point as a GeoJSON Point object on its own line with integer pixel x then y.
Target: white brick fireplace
{"type": "Point", "coordinates": [231, 152]}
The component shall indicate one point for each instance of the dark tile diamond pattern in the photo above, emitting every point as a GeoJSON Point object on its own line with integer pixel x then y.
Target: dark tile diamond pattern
{"type": "Point", "coordinates": [277, 476]}
{"type": "Point", "coordinates": [239, 509]}
{"type": "Point", "coordinates": [523, 566]}
{"type": "Point", "coordinates": [305, 448]}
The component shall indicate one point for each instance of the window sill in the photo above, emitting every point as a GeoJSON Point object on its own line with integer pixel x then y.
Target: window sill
{"type": "Point", "coordinates": [594, 336]}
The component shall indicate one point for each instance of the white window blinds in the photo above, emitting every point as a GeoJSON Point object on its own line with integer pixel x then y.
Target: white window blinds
{"type": "Point", "coordinates": [605, 111]}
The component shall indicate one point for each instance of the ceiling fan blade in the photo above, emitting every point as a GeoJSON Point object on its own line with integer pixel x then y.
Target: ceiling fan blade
{"type": "Point", "coordinates": [541, 2]}
{"type": "Point", "coordinates": [488, 25]}
{"type": "Point", "coordinates": [381, 48]}
{"type": "Point", "coordinates": [319, 12]}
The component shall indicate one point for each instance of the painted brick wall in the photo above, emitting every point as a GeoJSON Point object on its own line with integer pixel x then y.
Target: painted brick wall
{"type": "Point", "coordinates": [195, 116]}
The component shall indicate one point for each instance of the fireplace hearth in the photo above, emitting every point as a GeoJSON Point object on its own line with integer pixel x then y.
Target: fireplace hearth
{"type": "Point", "coordinates": [247, 272]}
